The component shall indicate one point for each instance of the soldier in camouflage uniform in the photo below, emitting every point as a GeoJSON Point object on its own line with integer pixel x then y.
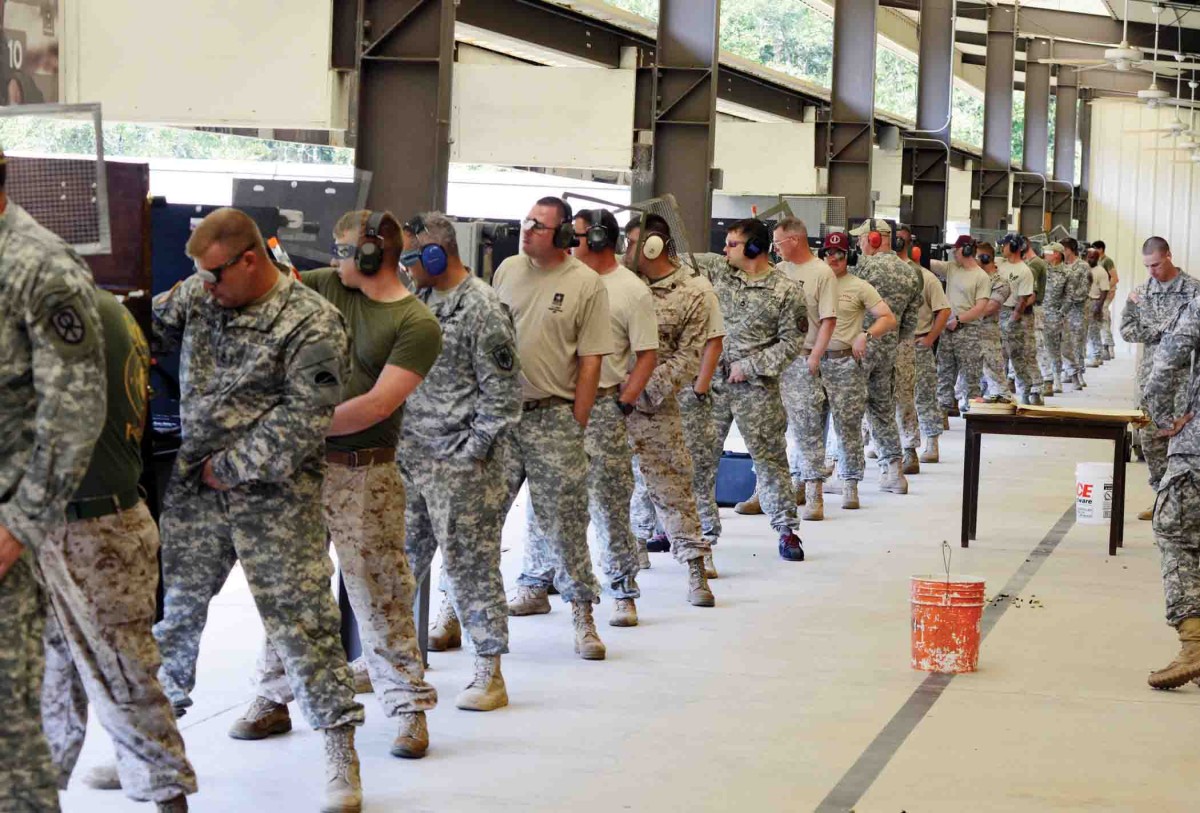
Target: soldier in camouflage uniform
{"type": "Point", "coordinates": [901, 288]}
{"type": "Point", "coordinates": [395, 341]}
{"type": "Point", "coordinates": [1079, 282]}
{"type": "Point", "coordinates": [995, 369]}
{"type": "Point", "coordinates": [1053, 308]}
{"type": "Point", "coordinates": [263, 360]}
{"type": "Point", "coordinates": [968, 288]}
{"type": "Point", "coordinates": [1039, 267]}
{"type": "Point", "coordinates": [1016, 323]}
{"type": "Point", "coordinates": [1114, 279]}
{"type": "Point", "coordinates": [1149, 311]}
{"type": "Point", "coordinates": [51, 351]}
{"type": "Point", "coordinates": [564, 329]}
{"type": "Point", "coordinates": [1172, 394]}
{"type": "Point", "coordinates": [699, 430]}
{"type": "Point", "coordinates": [452, 455]}
{"type": "Point", "coordinates": [101, 574]}
{"type": "Point", "coordinates": [763, 312]}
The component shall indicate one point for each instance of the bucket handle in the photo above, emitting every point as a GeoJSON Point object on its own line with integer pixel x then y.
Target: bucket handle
{"type": "Point", "coordinates": [947, 554]}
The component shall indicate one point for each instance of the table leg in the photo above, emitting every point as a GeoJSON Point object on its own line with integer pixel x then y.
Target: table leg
{"type": "Point", "coordinates": [966, 490]}
{"type": "Point", "coordinates": [1116, 531]}
{"type": "Point", "coordinates": [976, 440]}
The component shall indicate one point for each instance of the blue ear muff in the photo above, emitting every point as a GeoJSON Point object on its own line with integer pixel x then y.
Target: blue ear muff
{"type": "Point", "coordinates": [433, 258]}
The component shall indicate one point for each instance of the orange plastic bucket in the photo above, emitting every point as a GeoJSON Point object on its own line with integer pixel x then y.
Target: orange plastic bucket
{"type": "Point", "coordinates": [945, 623]}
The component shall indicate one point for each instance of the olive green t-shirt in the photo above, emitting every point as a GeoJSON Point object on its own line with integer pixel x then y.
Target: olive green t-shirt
{"type": "Point", "coordinates": [403, 333]}
{"type": "Point", "coordinates": [116, 464]}
{"type": "Point", "coordinates": [1038, 266]}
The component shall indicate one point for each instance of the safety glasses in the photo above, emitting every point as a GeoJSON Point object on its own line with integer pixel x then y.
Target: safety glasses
{"type": "Point", "coordinates": [213, 275]}
{"type": "Point", "coordinates": [529, 224]}
{"type": "Point", "coordinates": [344, 251]}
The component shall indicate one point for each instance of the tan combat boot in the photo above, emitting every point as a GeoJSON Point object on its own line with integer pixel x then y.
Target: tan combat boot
{"type": "Point", "coordinates": [850, 494]}
{"type": "Point", "coordinates": [103, 777]}
{"type": "Point", "coordinates": [412, 738]}
{"type": "Point", "coordinates": [1146, 515]}
{"type": "Point", "coordinates": [446, 632]}
{"type": "Point", "coordinates": [1186, 665]}
{"type": "Point", "coordinates": [699, 594]}
{"type": "Point", "coordinates": [486, 691]}
{"type": "Point", "coordinates": [343, 786]}
{"type": "Point", "coordinates": [624, 613]}
{"type": "Point", "coordinates": [798, 487]}
{"type": "Point", "coordinates": [893, 479]}
{"type": "Point", "coordinates": [814, 508]}
{"type": "Point", "coordinates": [177, 804]}
{"type": "Point", "coordinates": [263, 719]}
{"type": "Point", "coordinates": [750, 505]}
{"type": "Point", "coordinates": [931, 453]}
{"type": "Point", "coordinates": [710, 567]}
{"type": "Point", "coordinates": [910, 464]}
{"type": "Point", "coordinates": [362, 676]}
{"type": "Point", "coordinates": [529, 601]}
{"type": "Point", "coordinates": [587, 641]}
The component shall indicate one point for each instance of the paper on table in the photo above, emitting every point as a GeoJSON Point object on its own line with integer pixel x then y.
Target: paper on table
{"type": "Point", "coordinates": [1134, 416]}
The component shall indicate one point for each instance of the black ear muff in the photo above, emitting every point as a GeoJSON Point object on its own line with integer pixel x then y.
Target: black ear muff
{"type": "Point", "coordinates": [898, 242]}
{"type": "Point", "coordinates": [370, 253]}
{"type": "Point", "coordinates": [753, 247]}
{"type": "Point", "coordinates": [564, 236]}
{"type": "Point", "coordinates": [596, 235]}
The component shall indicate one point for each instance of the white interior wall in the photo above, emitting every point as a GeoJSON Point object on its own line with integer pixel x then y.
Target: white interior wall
{"type": "Point", "coordinates": [886, 166]}
{"type": "Point", "coordinates": [189, 63]}
{"type": "Point", "coordinates": [760, 158]}
{"type": "Point", "coordinates": [958, 203]}
{"type": "Point", "coordinates": [495, 119]}
{"type": "Point", "coordinates": [1136, 191]}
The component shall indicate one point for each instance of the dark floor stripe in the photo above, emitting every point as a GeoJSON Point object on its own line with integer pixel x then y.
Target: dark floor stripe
{"type": "Point", "coordinates": [863, 773]}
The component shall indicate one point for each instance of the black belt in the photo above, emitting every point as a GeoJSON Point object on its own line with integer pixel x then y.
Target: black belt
{"type": "Point", "coordinates": [362, 457]}
{"type": "Point", "coordinates": [542, 403]}
{"type": "Point", "coordinates": [95, 507]}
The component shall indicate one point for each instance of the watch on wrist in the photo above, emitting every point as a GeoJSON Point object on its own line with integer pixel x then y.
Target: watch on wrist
{"type": "Point", "coordinates": [700, 396]}
{"type": "Point", "coordinates": [626, 409]}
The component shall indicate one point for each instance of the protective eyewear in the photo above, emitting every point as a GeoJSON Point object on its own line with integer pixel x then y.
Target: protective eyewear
{"type": "Point", "coordinates": [213, 275]}
{"type": "Point", "coordinates": [734, 243]}
{"type": "Point", "coordinates": [344, 251]}
{"type": "Point", "coordinates": [834, 254]}
{"type": "Point", "coordinates": [529, 224]}
{"type": "Point", "coordinates": [776, 244]}
{"type": "Point", "coordinates": [410, 258]}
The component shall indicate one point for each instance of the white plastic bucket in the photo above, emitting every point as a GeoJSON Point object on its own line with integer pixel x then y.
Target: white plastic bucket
{"type": "Point", "coordinates": [1093, 493]}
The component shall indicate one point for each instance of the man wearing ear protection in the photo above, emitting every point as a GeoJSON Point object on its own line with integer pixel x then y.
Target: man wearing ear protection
{"type": "Point", "coordinates": [696, 414]}
{"type": "Point", "coordinates": [901, 288]}
{"type": "Point", "coordinates": [452, 454]}
{"type": "Point", "coordinates": [265, 360]}
{"type": "Point", "coordinates": [1054, 307]}
{"type": "Point", "coordinates": [1045, 368]}
{"type": "Point", "coordinates": [395, 341]}
{"type": "Point", "coordinates": [655, 425]}
{"type": "Point", "coordinates": [623, 376]}
{"type": "Point", "coordinates": [917, 411]}
{"type": "Point", "coordinates": [995, 369]}
{"type": "Point", "coordinates": [1079, 282]}
{"type": "Point", "coordinates": [1016, 332]}
{"type": "Point", "coordinates": [764, 314]}
{"type": "Point", "coordinates": [564, 330]}
{"type": "Point", "coordinates": [959, 352]}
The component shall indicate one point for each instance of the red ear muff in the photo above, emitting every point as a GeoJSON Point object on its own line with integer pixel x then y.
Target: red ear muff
{"type": "Point", "coordinates": [874, 239]}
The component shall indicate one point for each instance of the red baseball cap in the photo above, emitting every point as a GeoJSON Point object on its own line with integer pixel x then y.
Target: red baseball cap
{"type": "Point", "coordinates": [963, 241]}
{"type": "Point", "coordinates": [837, 241]}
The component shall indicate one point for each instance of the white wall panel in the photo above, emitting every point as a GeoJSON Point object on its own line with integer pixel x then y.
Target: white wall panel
{"type": "Point", "coordinates": [886, 173]}
{"type": "Point", "coordinates": [958, 205]}
{"type": "Point", "coordinates": [766, 158]}
{"type": "Point", "coordinates": [190, 63]}
{"type": "Point", "coordinates": [542, 117]}
{"type": "Point", "coordinates": [1137, 190]}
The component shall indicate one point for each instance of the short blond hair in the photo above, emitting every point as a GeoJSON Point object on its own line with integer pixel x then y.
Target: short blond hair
{"type": "Point", "coordinates": [230, 227]}
{"type": "Point", "coordinates": [792, 225]}
{"type": "Point", "coordinates": [389, 230]}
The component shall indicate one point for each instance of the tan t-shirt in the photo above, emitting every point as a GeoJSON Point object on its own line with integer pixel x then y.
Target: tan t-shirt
{"type": "Point", "coordinates": [560, 314]}
{"type": "Point", "coordinates": [933, 299]}
{"type": "Point", "coordinates": [966, 286]}
{"type": "Point", "coordinates": [716, 322]}
{"type": "Point", "coordinates": [634, 325]}
{"type": "Point", "coordinates": [820, 293]}
{"type": "Point", "coordinates": [854, 298]}
{"type": "Point", "coordinates": [1100, 282]}
{"type": "Point", "coordinates": [1020, 281]}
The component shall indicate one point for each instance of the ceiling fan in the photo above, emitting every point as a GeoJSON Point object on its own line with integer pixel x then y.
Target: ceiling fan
{"type": "Point", "coordinates": [1125, 57]}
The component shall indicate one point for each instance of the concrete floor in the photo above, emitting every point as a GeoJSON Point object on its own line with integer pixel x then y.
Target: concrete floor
{"type": "Point", "coordinates": [765, 702]}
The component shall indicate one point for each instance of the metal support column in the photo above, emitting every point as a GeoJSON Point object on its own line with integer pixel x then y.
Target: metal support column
{"type": "Point", "coordinates": [685, 108]}
{"type": "Point", "coordinates": [1062, 195]}
{"type": "Point", "coordinates": [992, 179]}
{"type": "Point", "coordinates": [402, 116]}
{"type": "Point", "coordinates": [851, 125]}
{"type": "Point", "coordinates": [1029, 193]}
{"type": "Point", "coordinates": [927, 151]}
{"type": "Point", "coordinates": [1085, 161]}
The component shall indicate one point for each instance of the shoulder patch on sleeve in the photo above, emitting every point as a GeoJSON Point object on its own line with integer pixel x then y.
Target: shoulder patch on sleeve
{"type": "Point", "coordinates": [503, 356]}
{"type": "Point", "coordinates": [68, 325]}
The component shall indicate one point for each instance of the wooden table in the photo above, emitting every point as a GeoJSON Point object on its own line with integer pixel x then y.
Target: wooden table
{"type": "Point", "coordinates": [1100, 429]}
